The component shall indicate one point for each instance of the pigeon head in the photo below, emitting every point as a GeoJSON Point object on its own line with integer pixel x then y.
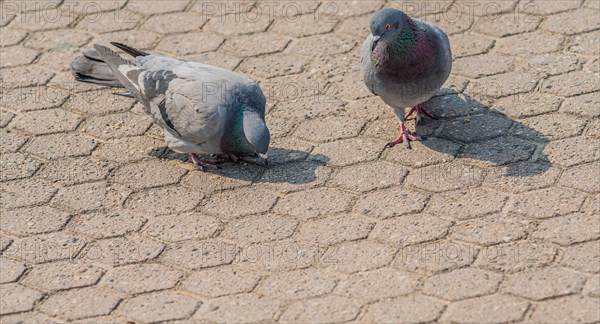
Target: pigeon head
{"type": "Point", "coordinates": [386, 24]}
{"type": "Point", "coordinates": [257, 133]}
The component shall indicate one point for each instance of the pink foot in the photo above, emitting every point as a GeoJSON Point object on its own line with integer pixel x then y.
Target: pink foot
{"type": "Point", "coordinates": [202, 165]}
{"type": "Point", "coordinates": [420, 111]}
{"type": "Point", "coordinates": [405, 136]}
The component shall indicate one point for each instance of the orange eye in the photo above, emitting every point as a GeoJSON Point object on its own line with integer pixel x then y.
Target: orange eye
{"type": "Point", "coordinates": [388, 26]}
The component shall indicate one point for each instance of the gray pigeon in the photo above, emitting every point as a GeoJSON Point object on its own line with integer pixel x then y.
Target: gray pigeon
{"type": "Point", "coordinates": [404, 61]}
{"type": "Point", "coordinates": [201, 108]}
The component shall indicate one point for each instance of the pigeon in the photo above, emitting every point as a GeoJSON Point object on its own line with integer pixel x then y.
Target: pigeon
{"type": "Point", "coordinates": [405, 62]}
{"type": "Point", "coordinates": [201, 108]}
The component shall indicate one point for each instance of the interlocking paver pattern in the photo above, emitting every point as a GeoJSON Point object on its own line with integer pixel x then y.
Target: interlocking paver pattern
{"type": "Point", "coordinates": [493, 218]}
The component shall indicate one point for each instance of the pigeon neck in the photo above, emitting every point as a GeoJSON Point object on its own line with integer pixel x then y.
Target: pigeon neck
{"type": "Point", "coordinates": [409, 54]}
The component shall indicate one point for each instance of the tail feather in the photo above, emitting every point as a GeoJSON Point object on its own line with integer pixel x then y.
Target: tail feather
{"type": "Point", "coordinates": [130, 50]}
{"type": "Point", "coordinates": [90, 68]}
{"type": "Point", "coordinates": [125, 71]}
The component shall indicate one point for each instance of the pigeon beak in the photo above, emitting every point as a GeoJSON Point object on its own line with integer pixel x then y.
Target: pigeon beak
{"type": "Point", "coordinates": [375, 41]}
{"type": "Point", "coordinates": [265, 157]}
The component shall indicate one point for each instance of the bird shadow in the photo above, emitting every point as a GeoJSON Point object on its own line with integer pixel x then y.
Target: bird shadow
{"type": "Point", "coordinates": [286, 166]}
{"type": "Point", "coordinates": [469, 129]}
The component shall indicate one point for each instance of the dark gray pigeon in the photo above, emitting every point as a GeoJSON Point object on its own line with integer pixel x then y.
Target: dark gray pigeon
{"type": "Point", "coordinates": [404, 61]}
{"type": "Point", "coordinates": [201, 108]}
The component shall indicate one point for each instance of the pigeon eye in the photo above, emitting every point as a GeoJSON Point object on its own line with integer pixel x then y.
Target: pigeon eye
{"type": "Point", "coordinates": [388, 26]}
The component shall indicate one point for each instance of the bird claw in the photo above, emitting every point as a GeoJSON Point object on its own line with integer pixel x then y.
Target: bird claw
{"type": "Point", "coordinates": [405, 136]}
{"type": "Point", "coordinates": [420, 112]}
{"type": "Point", "coordinates": [202, 165]}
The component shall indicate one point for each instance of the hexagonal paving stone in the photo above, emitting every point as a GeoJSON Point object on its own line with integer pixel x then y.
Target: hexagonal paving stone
{"type": "Point", "coordinates": [91, 196]}
{"type": "Point", "coordinates": [572, 151]}
{"type": "Point", "coordinates": [501, 85]}
{"type": "Point", "coordinates": [277, 64]}
{"type": "Point", "coordinates": [410, 309]}
{"type": "Point", "coordinates": [97, 102]}
{"type": "Point", "coordinates": [160, 306]}
{"type": "Point", "coordinates": [526, 105]}
{"type": "Point", "coordinates": [201, 254]}
{"type": "Point", "coordinates": [33, 220]}
{"type": "Point", "coordinates": [468, 44]}
{"type": "Point", "coordinates": [445, 177]}
{"type": "Point", "coordinates": [63, 275]}
{"type": "Point", "coordinates": [335, 229]}
{"type": "Point", "coordinates": [570, 309]}
{"type": "Point", "coordinates": [574, 228]}
{"type": "Point", "coordinates": [227, 178]}
{"type": "Point", "coordinates": [384, 203]}
{"type": "Point", "coordinates": [241, 308]}
{"type": "Point", "coordinates": [501, 150]}
{"type": "Point", "coordinates": [505, 25]}
{"type": "Point", "coordinates": [328, 129]}
{"type": "Point", "coordinates": [185, 44]}
{"type": "Point", "coordinates": [435, 256]}
{"type": "Point", "coordinates": [465, 204]}
{"type": "Point", "coordinates": [122, 250]}
{"type": "Point", "coordinates": [307, 107]}
{"type": "Point", "coordinates": [582, 177]}
{"type": "Point", "coordinates": [25, 76]}
{"type": "Point", "coordinates": [46, 247]}
{"type": "Point", "coordinates": [348, 151]}
{"type": "Point", "coordinates": [473, 67]}
{"type": "Point", "coordinates": [107, 224]}
{"type": "Point", "coordinates": [322, 45]}
{"type": "Point", "coordinates": [284, 255]}
{"type": "Point", "coordinates": [10, 270]}
{"type": "Point", "coordinates": [321, 201]}
{"type": "Point", "coordinates": [583, 257]}
{"type": "Point", "coordinates": [492, 229]}
{"type": "Point", "coordinates": [573, 22]}
{"type": "Point", "coordinates": [46, 121]}
{"type": "Point", "coordinates": [297, 284]}
{"type": "Point", "coordinates": [27, 192]}
{"type": "Point", "coordinates": [521, 177]}
{"type": "Point", "coordinates": [475, 128]}
{"type": "Point", "coordinates": [117, 125]}
{"type": "Point", "coordinates": [16, 298]}
{"type": "Point", "coordinates": [548, 202]}
{"type": "Point", "coordinates": [411, 229]}
{"type": "Point", "coordinates": [329, 309]}
{"type": "Point", "coordinates": [350, 257]}
{"type": "Point", "coordinates": [378, 284]}
{"type": "Point", "coordinates": [549, 127]}
{"type": "Point", "coordinates": [537, 42]}
{"type": "Point", "coordinates": [552, 64]}
{"type": "Point", "coordinates": [72, 171]}
{"type": "Point", "coordinates": [141, 278]}
{"type": "Point", "coordinates": [262, 228]}
{"type": "Point", "coordinates": [148, 174]}
{"type": "Point", "coordinates": [497, 308]}
{"type": "Point", "coordinates": [303, 25]}
{"type": "Point", "coordinates": [544, 283]}
{"type": "Point", "coordinates": [174, 228]}
{"type": "Point", "coordinates": [62, 145]}
{"type": "Point", "coordinates": [295, 176]}
{"type": "Point", "coordinates": [369, 176]}
{"type": "Point", "coordinates": [17, 55]}
{"type": "Point", "coordinates": [570, 84]}
{"type": "Point", "coordinates": [254, 45]}
{"type": "Point", "coordinates": [17, 166]}
{"type": "Point", "coordinates": [221, 281]}
{"type": "Point", "coordinates": [247, 201]}
{"type": "Point", "coordinates": [462, 283]}
{"type": "Point", "coordinates": [34, 98]}
{"type": "Point", "coordinates": [127, 149]}
{"type": "Point", "coordinates": [81, 303]}
{"type": "Point", "coordinates": [164, 200]}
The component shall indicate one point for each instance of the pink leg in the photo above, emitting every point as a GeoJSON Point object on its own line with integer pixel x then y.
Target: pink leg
{"type": "Point", "coordinates": [405, 136]}
{"type": "Point", "coordinates": [420, 110]}
{"type": "Point", "coordinates": [201, 164]}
